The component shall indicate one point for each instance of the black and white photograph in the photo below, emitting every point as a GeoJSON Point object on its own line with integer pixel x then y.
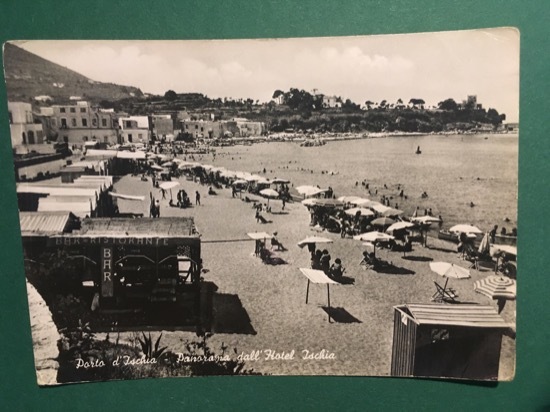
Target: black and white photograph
{"type": "Point", "coordinates": [301, 206]}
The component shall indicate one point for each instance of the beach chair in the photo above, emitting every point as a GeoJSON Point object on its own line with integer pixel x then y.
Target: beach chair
{"type": "Point", "coordinates": [443, 294]}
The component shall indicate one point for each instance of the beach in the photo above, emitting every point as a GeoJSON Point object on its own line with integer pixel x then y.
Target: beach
{"type": "Point", "coordinates": [259, 307]}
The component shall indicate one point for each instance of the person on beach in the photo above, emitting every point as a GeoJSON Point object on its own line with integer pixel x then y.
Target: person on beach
{"type": "Point", "coordinates": [163, 191]}
{"type": "Point", "coordinates": [284, 203]}
{"type": "Point", "coordinates": [337, 270]}
{"type": "Point", "coordinates": [325, 262]}
{"type": "Point", "coordinates": [197, 198]}
{"type": "Point", "coordinates": [316, 260]}
{"type": "Point", "coordinates": [493, 233]}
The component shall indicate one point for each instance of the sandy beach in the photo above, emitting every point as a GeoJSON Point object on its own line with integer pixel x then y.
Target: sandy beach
{"type": "Point", "coordinates": [259, 307]}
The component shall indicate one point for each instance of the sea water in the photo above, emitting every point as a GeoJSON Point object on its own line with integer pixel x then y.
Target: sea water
{"type": "Point", "coordinates": [454, 170]}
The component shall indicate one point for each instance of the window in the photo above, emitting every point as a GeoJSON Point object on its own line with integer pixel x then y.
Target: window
{"type": "Point", "coordinates": [104, 122]}
{"type": "Point", "coordinates": [82, 110]}
{"type": "Point", "coordinates": [73, 122]}
{"type": "Point", "coordinates": [130, 138]}
{"type": "Point", "coordinates": [73, 110]}
{"type": "Point", "coordinates": [94, 122]}
{"type": "Point", "coordinates": [85, 138]}
{"type": "Point", "coordinates": [84, 122]}
{"type": "Point", "coordinates": [63, 123]}
{"type": "Point", "coordinates": [62, 110]}
{"type": "Point", "coordinates": [196, 126]}
{"type": "Point", "coordinates": [140, 136]}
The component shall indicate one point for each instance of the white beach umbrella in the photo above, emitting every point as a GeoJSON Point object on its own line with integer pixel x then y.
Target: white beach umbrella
{"type": "Point", "coordinates": [373, 237]}
{"type": "Point", "coordinates": [399, 226]}
{"type": "Point", "coordinates": [361, 210]}
{"type": "Point", "coordinates": [449, 270]}
{"type": "Point", "coordinates": [313, 240]}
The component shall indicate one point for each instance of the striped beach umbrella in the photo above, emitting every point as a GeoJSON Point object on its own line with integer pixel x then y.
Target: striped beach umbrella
{"type": "Point", "coordinates": [496, 287]}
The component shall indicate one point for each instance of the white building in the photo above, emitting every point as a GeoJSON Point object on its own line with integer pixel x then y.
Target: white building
{"type": "Point", "coordinates": [24, 131]}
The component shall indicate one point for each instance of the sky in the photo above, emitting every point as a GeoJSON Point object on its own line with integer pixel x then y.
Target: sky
{"type": "Point", "coordinates": [430, 66]}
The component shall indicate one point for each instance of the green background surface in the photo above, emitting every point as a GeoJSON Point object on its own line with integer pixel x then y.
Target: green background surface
{"type": "Point", "coordinates": [530, 391]}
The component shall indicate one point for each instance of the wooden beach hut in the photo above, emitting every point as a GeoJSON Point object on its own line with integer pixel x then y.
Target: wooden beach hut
{"type": "Point", "coordinates": [452, 341]}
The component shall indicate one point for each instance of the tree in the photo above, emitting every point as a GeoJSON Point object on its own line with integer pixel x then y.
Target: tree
{"type": "Point", "coordinates": [448, 104]}
{"type": "Point", "coordinates": [170, 95]}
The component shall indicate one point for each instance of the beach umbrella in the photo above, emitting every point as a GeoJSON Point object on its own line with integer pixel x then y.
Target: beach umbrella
{"type": "Point", "coordinates": [308, 190]}
{"type": "Point", "coordinates": [259, 235]}
{"type": "Point", "coordinates": [373, 236]}
{"type": "Point", "coordinates": [496, 287]}
{"type": "Point", "coordinates": [313, 240]}
{"type": "Point", "coordinates": [380, 208]}
{"type": "Point", "coordinates": [449, 270]}
{"type": "Point", "coordinates": [350, 199]}
{"type": "Point", "coordinates": [366, 203]}
{"type": "Point", "coordinates": [169, 186]}
{"type": "Point", "coordinates": [308, 202]}
{"type": "Point", "coordinates": [361, 210]}
{"type": "Point", "coordinates": [240, 182]}
{"type": "Point", "coordinates": [167, 164]}
{"type": "Point", "coordinates": [270, 194]}
{"type": "Point", "coordinates": [156, 167]}
{"type": "Point", "coordinates": [383, 221]}
{"type": "Point", "coordinates": [484, 245]}
{"type": "Point", "coordinates": [328, 202]}
{"type": "Point", "coordinates": [399, 226]}
{"type": "Point", "coordinates": [463, 228]}
{"type": "Point", "coordinates": [392, 212]}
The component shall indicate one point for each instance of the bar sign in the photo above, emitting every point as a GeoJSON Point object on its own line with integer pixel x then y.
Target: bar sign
{"type": "Point", "coordinates": [107, 272]}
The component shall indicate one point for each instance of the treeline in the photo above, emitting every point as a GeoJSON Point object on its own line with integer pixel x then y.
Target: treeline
{"type": "Point", "coordinates": [301, 111]}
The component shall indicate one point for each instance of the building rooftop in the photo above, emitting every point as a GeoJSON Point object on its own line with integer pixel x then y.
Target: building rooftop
{"type": "Point", "coordinates": [143, 227]}
{"type": "Point", "coordinates": [478, 316]}
{"type": "Point", "coordinates": [46, 223]}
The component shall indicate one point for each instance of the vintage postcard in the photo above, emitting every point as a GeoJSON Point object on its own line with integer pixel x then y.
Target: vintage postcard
{"type": "Point", "coordinates": [308, 206]}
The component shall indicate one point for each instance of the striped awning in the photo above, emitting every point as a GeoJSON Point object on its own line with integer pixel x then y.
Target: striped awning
{"type": "Point", "coordinates": [477, 316]}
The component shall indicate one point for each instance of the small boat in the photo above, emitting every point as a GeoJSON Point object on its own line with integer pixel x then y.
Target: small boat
{"type": "Point", "coordinates": [418, 151]}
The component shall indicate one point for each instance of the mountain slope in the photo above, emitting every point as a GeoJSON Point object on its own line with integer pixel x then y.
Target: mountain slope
{"type": "Point", "coordinates": [28, 75]}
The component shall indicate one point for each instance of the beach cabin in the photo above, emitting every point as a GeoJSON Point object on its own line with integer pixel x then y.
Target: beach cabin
{"type": "Point", "coordinates": [148, 267]}
{"type": "Point", "coordinates": [451, 341]}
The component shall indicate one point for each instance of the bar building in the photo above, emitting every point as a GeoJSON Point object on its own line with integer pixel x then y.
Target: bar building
{"type": "Point", "coordinates": [144, 272]}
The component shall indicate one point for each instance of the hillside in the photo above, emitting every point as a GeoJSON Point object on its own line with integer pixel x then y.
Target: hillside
{"type": "Point", "coordinates": [28, 75]}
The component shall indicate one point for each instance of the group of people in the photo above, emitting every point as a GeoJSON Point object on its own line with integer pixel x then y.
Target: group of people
{"type": "Point", "coordinates": [320, 260]}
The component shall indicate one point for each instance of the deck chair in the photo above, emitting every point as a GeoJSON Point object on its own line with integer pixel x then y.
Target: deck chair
{"type": "Point", "coordinates": [444, 294]}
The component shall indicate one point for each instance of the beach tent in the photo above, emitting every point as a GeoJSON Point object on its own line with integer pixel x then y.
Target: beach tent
{"type": "Point", "coordinates": [126, 197]}
{"type": "Point", "coordinates": [318, 276]}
